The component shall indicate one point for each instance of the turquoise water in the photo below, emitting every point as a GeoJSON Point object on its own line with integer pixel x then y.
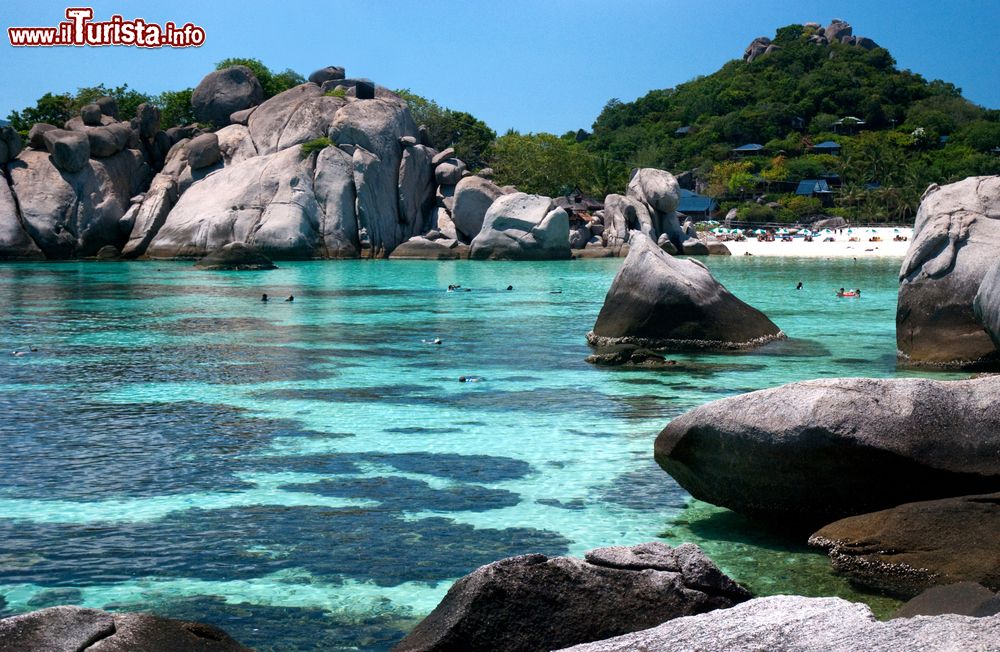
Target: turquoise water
{"type": "Point", "coordinates": [311, 474]}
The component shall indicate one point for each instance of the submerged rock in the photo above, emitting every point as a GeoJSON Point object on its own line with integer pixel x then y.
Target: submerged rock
{"type": "Point", "coordinates": [420, 248]}
{"type": "Point", "coordinates": [534, 602]}
{"type": "Point", "coordinates": [788, 622]}
{"type": "Point", "coordinates": [907, 549]}
{"type": "Point", "coordinates": [59, 629]}
{"type": "Point", "coordinates": [663, 302]}
{"type": "Point", "coordinates": [956, 241]}
{"type": "Point", "coordinates": [236, 257]}
{"type": "Point", "coordinates": [807, 453]}
{"type": "Point", "coordinates": [629, 355]}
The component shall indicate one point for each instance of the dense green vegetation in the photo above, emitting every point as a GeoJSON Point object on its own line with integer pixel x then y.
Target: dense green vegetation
{"type": "Point", "coordinates": [471, 138]}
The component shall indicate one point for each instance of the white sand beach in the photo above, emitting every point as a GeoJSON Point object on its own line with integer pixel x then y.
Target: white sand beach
{"type": "Point", "coordinates": [841, 247]}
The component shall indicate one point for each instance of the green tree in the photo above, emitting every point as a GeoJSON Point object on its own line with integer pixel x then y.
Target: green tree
{"type": "Point", "coordinates": [50, 108]}
{"type": "Point", "coordinates": [471, 137]}
{"type": "Point", "coordinates": [175, 108]}
{"type": "Point", "coordinates": [128, 99]}
{"type": "Point", "coordinates": [540, 163]}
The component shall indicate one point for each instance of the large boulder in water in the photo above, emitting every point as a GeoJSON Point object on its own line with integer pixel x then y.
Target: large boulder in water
{"type": "Point", "coordinates": [235, 257]}
{"type": "Point", "coordinates": [532, 602]}
{"type": "Point", "coordinates": [987, 304]}
{"type": "Point", "coordinates": [473, 197]}
{"type": "Point", "coordinates": [223, 92]}
{"type": "Point", "coordinates": [75, 628]}
{"type": "Point", "coordinates": [956, 241]}
{"type": "Point", "coordinates": [420, 248]}
{"type": "Point", "coordinates": [268, 202]}
{"type": "Point", "coordinates": [907, 549]}
{"type": "Point", "coordinates": [75, 214]}
{"type": "Point", "coordinates": [808, 453]}
{"type": "Point", "coordinates": [519, 226]}
{"type": "Point", "coordinates": [663, 302]}
{"type": "Point", "coordinates": [790, 623]}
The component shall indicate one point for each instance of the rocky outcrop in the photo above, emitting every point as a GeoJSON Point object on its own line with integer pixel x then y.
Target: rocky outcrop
{"type": "Point", "coordinates": [519, 226]}
{"type": "Point", "coordinates": [329, 73]}
{"type": "Point", "coordinates": [807, 453]}
{"type": "Point", "coordinates": [756, 48]}
{"type": "Point", "coordinates": [10, 144]}
{"type": "Point", "coordinates": [235, 257]}
{"type": "Point", "coordinates": [838, 31]}
{"type": "Point", "coordinates": [956, 241]}
{"type": "Point", "coordinates": [203, 151]}
{"type": "Point", "coordinates": [986, 305]}
{"type": "Point", "coordinates": [786, 622]}
{"type": "Point", "coordinates": [533, 602]}
{"type": "Point", "coordinates": [293, 117]}
{"type": "Point", "coordinates": [623, 215]}
{"type": "Point", "coordinates": [664, 302]}
{"type": "Point", "coordinates": [415, 187]}
{"type": "Point", "coordinates": [15, 243]}
{"type": "Point", "coordinates": [473, 197]}
{"type": "Point", "coordinates": [71, 214]}
{"type": "Point", "coordinates": [223, 92]}
{"type": "Point", "coordinates": [420, 248]}
{"type": "Point", "coordinates": [69, 149]}
{"type": "Point", "coordinates": [907, 549]}
{"type": "Point", "coordinates": [75, 628]}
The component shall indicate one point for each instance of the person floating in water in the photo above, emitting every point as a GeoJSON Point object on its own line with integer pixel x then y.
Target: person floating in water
{"type": "Point", "coordinates": [840, 292]}
{"type": "Point", "coordinates": [263, 298]}
{"type": "Point", "coordinates": [436, 340]}
{"type": "Point", "coordinates": [857, 291]}
{"type": "Point", "coordinates": [290, 299]}
{"type": "Point", "coordinates": [510, 287]}
{"type": "Point", "coordinates": [799, 286]}
{"type": "Point", "coordinates": [469, 379]}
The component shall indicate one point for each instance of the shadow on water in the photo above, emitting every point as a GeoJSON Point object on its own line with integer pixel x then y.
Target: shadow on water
{"type": "Point", "coordinates": [766, 561]}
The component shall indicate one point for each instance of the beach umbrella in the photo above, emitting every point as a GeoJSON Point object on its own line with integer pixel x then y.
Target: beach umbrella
{"type": "Point", "coordinates": [872, 231]}
{"type": "Point", "coordinates": [782, 231]}
{"type": "Point", "coordinates": [850, 230]}
{"type": "Point", "coordinates": [759, 232]}
{"type": "Point", "coordinates": [895, 230]}
{"type": "Point", "coordinates": [806, 232]}
{"type": "Point", "coordinates": [717, 230]}
{"type": "Point", "coordinates": [737, 231]}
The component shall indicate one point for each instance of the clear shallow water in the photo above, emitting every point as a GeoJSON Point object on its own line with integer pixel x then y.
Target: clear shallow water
{"type": "Point", "coordinates": [311, 474]}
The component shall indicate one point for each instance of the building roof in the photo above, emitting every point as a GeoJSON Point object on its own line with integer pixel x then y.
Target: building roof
{"type": "Point", "coordinates": [749, 147]}
{"type": "Point", "coordinates": [809, 187]}
{"type": "Point", "coordinates": [827, 144]}
{"type": "Point", "coordinates": [692, 202]}
{"type": "Point", "coordinates": [848, 120]}
{"type": "Point", "coordinates": [682, 131]}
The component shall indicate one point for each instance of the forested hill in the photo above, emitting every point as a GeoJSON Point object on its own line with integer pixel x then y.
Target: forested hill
{"type": "Point", "coordinates": [793, 92]}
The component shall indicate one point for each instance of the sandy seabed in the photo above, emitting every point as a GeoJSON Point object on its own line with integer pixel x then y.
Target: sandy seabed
{"type": "Point", "coordinates": [841, 247]}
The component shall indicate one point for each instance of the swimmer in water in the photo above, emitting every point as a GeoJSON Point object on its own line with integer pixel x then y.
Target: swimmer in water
{"type": "Point", "coordinates": [799, 286]}
{"type": "Point", "coordinates": [469, 379]}
{"type": "Point", "coordinates": [510, 287]}
{"type": "Point", "coordinates": [290, 299]}
{"type": "Point", "coordinates": [436, 340]}
{"type": "Point", "coordinates": [263, 298]}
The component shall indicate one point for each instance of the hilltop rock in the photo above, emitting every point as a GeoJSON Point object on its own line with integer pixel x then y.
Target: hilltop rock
{"type": "Point", "coordinates": [293, 117]}
{"type": "Point", "coordinates": [36, 137]}
{"type": "Point", "coordinates": [108, 106]}
{"type": "Point", "coordinates": [519, 226]}
{"type": "Point", "coordinates": [75, 628]}
{"type": "Point", "coordinates": [70, 150]}
{"type": "Point", "coordinates": [91, 115]}
{"type": "Point", "coordinates": [10, 144]}
{"type": "Point", "coordinates": [473, 198]}
{"type": "Point", "coordinates": [71, 214]}
{"type": "Point", "coordinates": [807, 453]}
{"type": "Point", "coordinates": [907, 549]}
{"type": "Point", "coordinates": [956, 241]}
{"type": "Point", "coordinates": [223, 92]}
{"type": "Point", "coordinates": [987, 304]}
{"type": "Point", "coordinates": [147, 120]}
{"type": "Point", "coordinates": [663, 302]}
{"type": "Point", "coordinates": [756, 48]}
{"type": "Point", "coordinates": [533, 602]}
{"type": "Point", "coordinates": [837, 30]}
{"type": "Point", "coordinates": [235, 257]}
{"type": "Point", "coordinates": [330, 73]}
{"type": "Point", "coordinates": [793, 623]}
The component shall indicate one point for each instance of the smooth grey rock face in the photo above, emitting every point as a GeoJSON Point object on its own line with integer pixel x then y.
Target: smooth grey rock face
{"type": "Point", "coordinates": [624, 214]}
{"type": "Point", "coordinates": [203, 151]}
{"type": "Point", "coordinates": [73, 628]}
{"type": "Point", "coordinates": [807, 453]}
{"type": "Point", "coordinates": [533, 602]}
{"type": "Point", "coordinates": [235, 256]}
{"type": "Point", "coordinates": [443, 222]}
{"type": "Point", "coordinates": [658, 189]}
{"type": "Point", "coordinates": [956, 241]}
{"type": "Point", "coordinates": [907, 549]}
{"type": "Point", "coordinates": [579, 236]}
{"type": "Point", "coordinates": [416, 188]}
{"type": "Point", "coordinates": [36, 136]}
{"type": "Point", "coordinates": [443, 155]}
{"type": "Point", "coordinates": [147, 119]}
{"type": "Point", "coordinates": [70, 150]}
{"type": "Point", "coordinates": [292, 117]}
{"type": "Point", "coordinates": [837, 30]}
{"type": "Point", "coordinates": [449, 172]}
{"type": "Point", "coordinates": [10, 144]}
{"type": "Point", "coordinates": [986, 305]}
{"type": "Point", "coordinates": [75, 214]}
{"type": "Point", "coordinates": [266, 202]}
{"type": "Point", "coordinates": [785, 622]}
{"type": "Point", "coordinates": [519, 226]}
{"type": "Point", "coordinates": [241, 117]}
{"type": "Point", "coordinates": [694, 247]}
{"type": "Point", "coordinates": [963, 598]}
{"type": "Point", "coordinates": [235, 144]}
{"type": "Point", "coordinates": [473, 198]}
{"type": "Point", "coordinates": [108, 141]}
{"type": "Point", "coordinates": [329, 73]}
{"type": "Point", "coordinates": [664, 302]}
{"type": "Point", "coordinates": [223, 92]}
{"type": "Point", "coordinates": [336, 195]}
{"type": "Point", "coordinates": [15, 243]}
{"type": "Point", "coordinates": [108, 106]}
{"type": "Point", "coordinates": [91, 115]}
{"type": "Point", "coordinates": [756, 48]}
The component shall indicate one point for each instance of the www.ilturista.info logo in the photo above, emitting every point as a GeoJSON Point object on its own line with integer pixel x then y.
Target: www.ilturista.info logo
{"type": "Point", "coordinates": [80, 30]}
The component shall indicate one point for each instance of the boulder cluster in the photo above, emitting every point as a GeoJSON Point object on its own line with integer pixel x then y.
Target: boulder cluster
{"type": "Point", "coordinates": [838, 31]}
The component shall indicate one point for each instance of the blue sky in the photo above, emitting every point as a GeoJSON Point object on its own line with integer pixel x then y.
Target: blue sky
{"type": "Point", "coordinates": [532, 65]}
